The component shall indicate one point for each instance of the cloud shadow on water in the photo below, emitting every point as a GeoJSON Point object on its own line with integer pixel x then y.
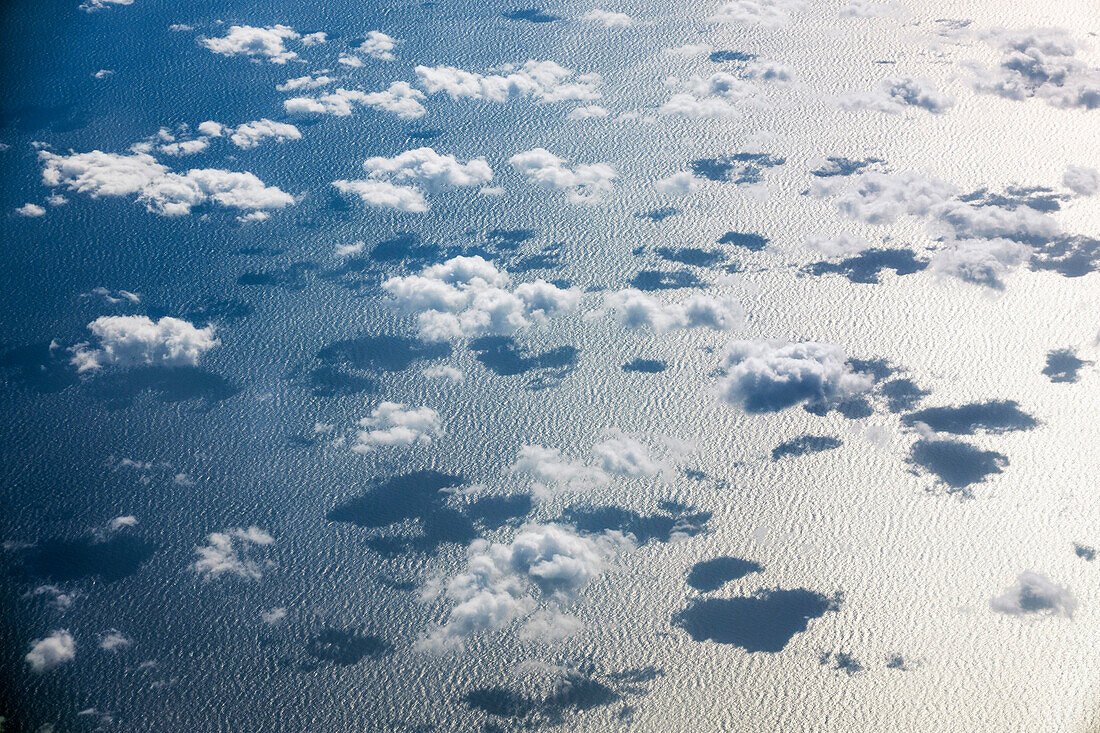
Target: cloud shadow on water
{"type": "Point", "coordinates": [955, 463]}
{"type": "Point", "coordinates": [38, 367]}
{"type": "Point", "coordinates": [120, 388]}
{"type": "Point", "coordinates": [673, 519]}
{"type": "Point", "coordinates": [710, 575]}
{"type": "Point", "coordinates": [763, 622]}
{"type": "Point", "coordinates": [867, 267]}
{"type": "Point", "coordinates": [1063, 365]}
{"type": "Point", "coordinates": [344, 647]}
{"type": "Point", "coordinates": [804, 445]}
{"type": "Point", "coordinates": [109, 559]}
{"type": "Point", "coordinates": [650, 280]}
{"type": "Point", "coordinates": [993, 416]}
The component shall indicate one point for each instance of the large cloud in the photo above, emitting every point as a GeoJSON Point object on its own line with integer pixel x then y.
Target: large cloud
{"type": "Point", "coordinates": [162, 191]}
{"type": "Point", "coordinates": [57, 648]}
{"type": "Point", "coordinates": [635, 309]}
{"type": "Point", "coordinates": [469, 296]}
{"type": "Point", "coordinates": [262, 43]}
{"type": "Point", "coordinates": [500, 581]}
{"type": "Point", "coordinates": [584, 183]}
{"type": "Point", "coordinates": [766, 376]}
{"type": "Point", "coordinates": [229, 553]}
{"type": "Point", "coordinates": [423, 167]}
{"type": "Point", "coordinates": [138, 341]}
{"type": "Point", "coordinates": [897, 93]}
{"type": "Point", "coordinates": [544, 81]}
{"type": "Point", "coordinates": [399, 99]}
{"type": "Point", "coordinates": [391, 425]}
{"type": "Point", "coordinates": [1035, 593]}
{"type": "Point", "coordinates": [1039, 63]}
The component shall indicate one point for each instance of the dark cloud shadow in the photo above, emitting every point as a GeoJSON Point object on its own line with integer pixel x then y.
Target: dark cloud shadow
{"type": "Point", "coordinates": [724, 56]}
{"type": "Point", "coordinates": [710, 575]}
{"type": "Point", "coordinates": [867, 266]}
{"type": "Point", "coordinates": [842, 662]}
{"type": "Point", "coordinates": [39, 367]}
{"type": "Point", "coordinates": [1034, 197]}
{"type": "Point", "coordinates": [120, 388]}
{"type": "Point", "coordinates": [994, 416]}
{"type": "Point", "coordinates": [650, 280]}
{"type": "Point", "coordinates": [673, 519]}
{"type": "Point", "coordinates": [1069, 256]}
{"type": "Point", "coordinates": [382, 353]}
{"type": "Point", "coordinates": [573, 693]}
{"type": "Point", "coordinates": [291, 277]}
{"type": "Point", "coordinates": [224, 311]}
{"type": "Point", "coordinates": [737, 168]}
{"type": "Point", "coordinates": [1084, 552]}
{"type": "Point", "coordinates": [645, 366]}
{"type": "Point", "coordinates": [692, 256]}
{"type": "Point", "coordinates": [955, 463]}
{"type": "Point", "coordinates": [659, 214]}
{"type": "Point", "coordinates": [902, 394]}
{"type": "Point", "coordinates": [110, 559]}
{"type": "Point", "coordinates": [804, 445]}
{"type": "Point", "coordinates": [844, 166]}
{"type": "Point", "coordinates": [505, 358]}
{"type": "Point", "coordinates": [531, 15]}
{"type": "Point", "coordinates": [1063, 365]}
{"type": "Point", "coordinates": [762, 622]}
{"type": "Point", "coordinates": [331, 381]}
{"type": "Point", "coordinates": [345, 647]}
{"type": "Point", "coordinates": [745, 240]}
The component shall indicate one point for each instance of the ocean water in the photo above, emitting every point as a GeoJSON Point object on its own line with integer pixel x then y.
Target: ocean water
{"type": "Point", "coordinates": [873, 605]}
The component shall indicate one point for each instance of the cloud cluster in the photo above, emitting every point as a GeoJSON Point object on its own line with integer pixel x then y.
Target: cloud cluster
{"type": "Point", "coordinates": [584, 183]}
{"type": "Point", "coordinates": [768, 13]}
{"type": "Point", "coordinates": [767, 376]}
{"type": "Point", "coordinates": [304, 82]}
{"type": "Point", "coordinates": [162, 191]}
{"type": "Point", "coordinates": [634, 309]}
{"type": "Point", "coordinates": [260, 43]}
{"type": "Point", "coordinates": [90, 6]}
{"type": "Point", "coordinates": [423, 167]}
{"type": "Point", "coordinates": [138, 341]}
{"type": "Point", "coordinates": [469, 296]}
{"type": "Point", "coordinates": [1035, 593]}
{"type": "Point", "coordinates": [896, 93]}
{"type": "Point", "coordinates": [1039, 63]}
{"type": "Point", "coordinates": [228, 553]}
{"type": "Point", "coordinates": [545, 81]}
{"type": "Point", "coordinates": [1082, 181]}
{"type": "Point", "coordinates": [252, 134]}
{"type": "Point", "coordinates": [399, 99]}
{"type": "Point", "coordinates": [392, 425]}
{"type": "Point", "coordinates": [501, 580]}
{"type": "Point", "coordinates": [719, 95]}
{"type": "Point", "coordinates": [378, 45]}
{"type": "Point", "coordinates": [56, 649]}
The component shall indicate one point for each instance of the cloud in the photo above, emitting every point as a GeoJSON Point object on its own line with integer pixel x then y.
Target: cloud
{"type": "Point", "coordinates": [1039, 63]}
{"type": "Point", "coordinates": [56, 649]}
{"type": "Point", "coordinates": [30, 211]}
{"type": "Point", "coordinates": [274, 617]}
{"type": "Point", "coordinates": [137, 341]}
{"type": "Point", "coordinates": [1035, 593]}
{"type": "Point", "coordinates": [442, 371]}
{"type": "Point", "coordinates": [842, 245]}
{"type": "Point", "coordinates": [351, 60]}
{"type": "Point", "coordinates": [378, 45]}
{"type": "Point", "coordinates": [227, 553]}
{"type": "Point", "coordinates": [590, 112]}
{"type": "Point", "coordinates": [391, 425]}
{"type": "Point", "coordinates": [550, 626]}
{"type": "Point", "coordinates": [114, 640]}
{"type": "Point", "coordinates": [769, 13]}
{"type": "Point", "coordinates": [90, 6]}
{"type": "Point", "coordinates": [634, 309]}
{"type": "Point", "coordinates": [1082, 181]}
{"type": "Point", "coordinates": [608, 19]}
{"type": "Point", "coordinates": [399, 99]}
{"type": "Point", "coordinates": [894, 94]}
{"type": "Point", "coordinates": [57, 598]}
{"type": "Point", "coordinates": [422, 166]}
{"type": "Point", "coordinates": [261, 43]}
{"type": "Point", "coordinates": [689, 50]}
{"type": "Point", "coordinates": [866, 9]}
{"type": "Point", "coordinates": [469, 296]}
{"type": "Point", "coordinates": [584, 183]}
{"type": "Point", "coordinates": [501, 580]}
{"type": "Point", "coordinates": [544, 81]}
{"type": "Point", "coordinates": [678, 184]}
{"type": "Point", "coordinates": [304, 82]}
{"type": "Point", "coordinates": [162, 191]}
{"type": "Point", "coordinates": [767, 376]}
{"type": "Point", "coordinates": [719, 95]}
{"type": "Point", "coordinates": [122, 522]}
{"type": "Point", "coordinates": [980, 261]}
{"type": "Point", "coordinates": [251, 134]}
{"type": "Point", "coordinates": [554, 474]}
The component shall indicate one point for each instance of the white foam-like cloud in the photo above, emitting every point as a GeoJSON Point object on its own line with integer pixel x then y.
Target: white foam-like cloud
{"type": "Point", "coordinates": [31, 211]}
{"type": "Point", "coordinates": [719, 95]}
{"type": "Point", "coordinates": [767, 376]}
{"type": "Point", "coordinates": [114, 640]}
{"type": "Point", "coordinates": [1042, 63]}
{"type": "Point", "coordinates": [469, 296]}
{"type": "Point", "coordinates": [689, 50]}
{"type": "Point", "coordinates": [895, 94]}
{"type": "Point", "coordinates": [261, 43]}
{"type": "Point", "coordinates": [228, 553]}
{"type": "Point", "coordinates": [841, 245]}
{"type": "Point", "coordinates": [90, 6]}
{"type": "Point", "coordinates": [545, 81]}
{"type": "Point", "coordinates": [304, 83]}
{"type": "Point", "coordinates": [866, 9]}
{"type": "Point", "coordinates": [583, 183]}
{"type": "Point", "coordinates": [423, 167]}
{"type": "Point", "coordinates": [980, 261]}
{"type": "Point", "coordinates": [122, 522]}
{"type": "Point", "coordinates": [252, 134]}
{"type": "Point", "coordinates": [274, 617]}
{"type": "Point", "coordinates": [443, 371]}
{"type": "Point", "coordinates": [608, 19]}
{"type": "Point", "coordinates": [385, 195]}
{"type": "Point", "coordinates": [1035, 593]}
{"type": "Point", "coordinates": [54, 650]}
{"type": "Point", "coordinates": [1082, 181]}
{"type": "Point", "coordinates": [138, 341]}
{"type": "Point", "coordinates": [399, 99]}
{"type": "Point", "coordinates": [162, 191]}
{"type": "Point", "coordinates": [392, 425]}
{"type": "Point", "coordinates": [678, 184]}
{"type": "Point", "coordinates": [635, 309]}
{"type": "Point", "coordinates": [768, 13]}
{"type": "Point", "coordinates": [588, 112]}
{"type": "Point", "coordinates": [379, 46]}
{"type": "Point", "coordinates": [553, 474]}
{"type": "Point", "coordinates": [501, 581]}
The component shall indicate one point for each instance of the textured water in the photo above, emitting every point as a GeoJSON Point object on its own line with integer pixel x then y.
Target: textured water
{"type": "Point", "coordinates": [871, 608]}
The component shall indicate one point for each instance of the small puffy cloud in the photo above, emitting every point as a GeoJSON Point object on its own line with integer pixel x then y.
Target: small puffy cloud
{"type": "Point", "coordinates": [56, 597]}
{"type": "Point", "coordinates": [114, 640]}
{"type": "Point", "coordinates": [120, 523]}
{"type": "Point", "coordinates": [553, 474]}
{"type": "Point", "coordinates": [842, 245]}
{"type": "Point", "coordinates": [442, 371]}
{"type": "Point", "coordinates": [469, 296]}
{"type": "Point", "coordinates": [399, 99]}
{"type": "Point", "coordinates": [1035, 593]}
{"type": "Point", "coordinates": [304, 83]}
{"type": "Point", "coordinates": [589, 112]}
{"type": "Point", "coordinates": [550, 626]}
{"type": "Point", "coordinates": [1040, 63]}
{"type": "Point", "coordinates": [138, 341]}
{"type": "Point", "coordinates": [767, 376]}
{"type": "Point", "coordinates": [1082, 181]}
{"type": "Point", "coordinates": [504, 582]}
{"type": "Point", "coordinates": [980, 261]}
{"type": "Point", "coordinates": [392, 425]}
{"type": "Point", "coordinates": [90, 6]}
{"type": "Point", "coordinates": [423, 167]}
{"type": "Point", "coordinates": [584, 183]}
{"type": "Point", "coordinates": [314, 39]}
{"type": "Point", "coordinates": [228, 553]}
{"type": "Point", "coordinates": [378, 45]}
{"type": "Point", "coordinates": [678, 184]}
{"type": "Point", "coordinates": [162, 191]}
{"type": "Point", "coordinates": [635, 309]}
{"type": "Point", "coordinates": [768, 13]}
{"type": "Point", "coordinates": [719, 95]}
{"type": "Point", "coordinates": [56, 649]}
{"type": "Point", "coordinates": [30, 211]}
{"type": "Point", "coordinates": [896, 93]}
{"type": "Point", "coordinates": [608, 19]}
{"type": "Point", "coordinates": [545, 81]}
{"type": "Point", "coordinates": [261, 43]}
{"type": "Point", "coordinates": [274, 617]}
{"type": "Point", "coordinates": [866, 9]}
{"type": "Point", "coordinates": [351, 60]}
{"type": "Point", "coordinates": [251, 134]}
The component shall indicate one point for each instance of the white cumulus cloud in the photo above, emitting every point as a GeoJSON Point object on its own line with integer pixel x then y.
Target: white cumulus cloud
{"type": "Point", "coordinates": [1035, 593]}
{"type": "Point", "coordinates": [138, 341]}
{"type": "Point", "coordinates": [545, 81]}
{"type": "Point", "coordinates": [229, 553]}
{"type": "Point", "coordinates": [392, 425]}
{"type": "Point", "coordinates": [584, 183]}
{"type": "Point", "coordinates": [55, 649]}
{"type": "Point", "coordinates": [636, 309]}
{"type": "Point", "coordinates": [262, 43]}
